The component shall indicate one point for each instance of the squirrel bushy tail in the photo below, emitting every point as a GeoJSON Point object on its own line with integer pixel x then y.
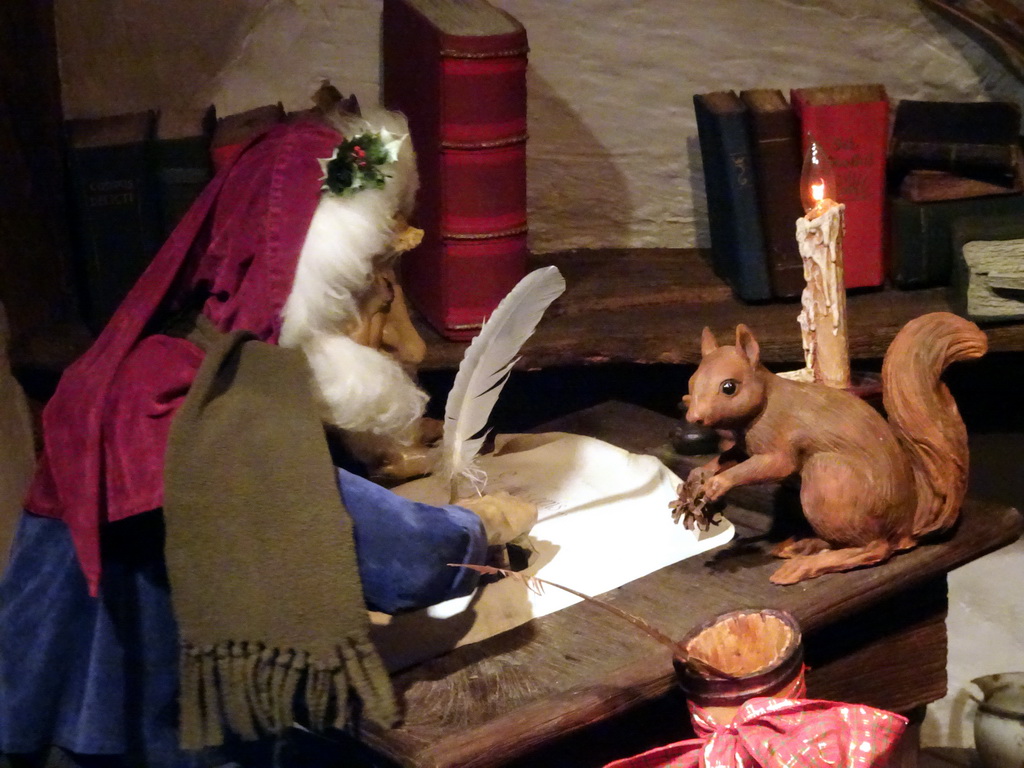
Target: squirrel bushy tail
{"type": "Point", "coordinates": [924, 415]}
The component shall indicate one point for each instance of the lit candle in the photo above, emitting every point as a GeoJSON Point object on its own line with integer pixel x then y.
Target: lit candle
{"type": "Point", "coordinates": [819, 237]}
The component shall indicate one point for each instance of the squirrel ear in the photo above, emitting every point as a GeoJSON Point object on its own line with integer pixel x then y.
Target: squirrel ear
{"type": "Point", "coordinates": [747, 345]}
{"type": "Point", "coordinates": [707, 342]}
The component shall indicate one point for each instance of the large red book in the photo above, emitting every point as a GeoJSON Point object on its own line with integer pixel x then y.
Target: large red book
{"type": "Point", "coordinates": [851, 123]}
{"type": "Point", "coordinates": [457, 70]}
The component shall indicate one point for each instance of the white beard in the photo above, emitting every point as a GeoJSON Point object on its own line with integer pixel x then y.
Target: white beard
{"type": "Point", "coordinates": [362, 390]}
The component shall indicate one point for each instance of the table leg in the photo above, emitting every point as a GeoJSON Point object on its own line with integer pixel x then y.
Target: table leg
{"type": "Point", "coordinates": [892, 656]}
{"type": "Point", "coordinates": [908, 751]}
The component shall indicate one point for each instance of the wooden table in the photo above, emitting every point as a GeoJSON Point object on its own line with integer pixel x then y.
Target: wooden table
{"type": "Point", "coordinates": [649, 306]}
{"type": "Point", "coordinates": [581, 687]}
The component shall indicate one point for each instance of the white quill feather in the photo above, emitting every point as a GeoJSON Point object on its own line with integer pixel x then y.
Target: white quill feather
{"type": "Point", "coordinates": [484, 370]}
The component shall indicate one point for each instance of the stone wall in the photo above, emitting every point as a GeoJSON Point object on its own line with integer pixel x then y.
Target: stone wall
{"type": "Point", "coordinates": [612, 153]}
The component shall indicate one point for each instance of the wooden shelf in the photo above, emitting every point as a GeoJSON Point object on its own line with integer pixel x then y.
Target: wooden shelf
{"type": "Point", "coordinates": [637, 306]}
{"type": "Point", "coordinates": [649, 306]}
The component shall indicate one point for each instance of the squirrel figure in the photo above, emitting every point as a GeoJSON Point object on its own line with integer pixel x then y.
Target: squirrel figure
{"type": "Point", "coordinates": [869, 487]}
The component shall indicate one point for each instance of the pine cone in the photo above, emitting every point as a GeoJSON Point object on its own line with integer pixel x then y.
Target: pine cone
{"type": "Point", "coordinates": [692, 504]}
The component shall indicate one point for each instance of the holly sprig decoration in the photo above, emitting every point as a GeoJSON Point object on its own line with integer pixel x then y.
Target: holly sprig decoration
{"type": "Point", "coordinates": [358, 162]}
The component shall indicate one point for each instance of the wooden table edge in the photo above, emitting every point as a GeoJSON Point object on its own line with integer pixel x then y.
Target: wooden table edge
{"type": "Point", "coordinates": [532, 726]}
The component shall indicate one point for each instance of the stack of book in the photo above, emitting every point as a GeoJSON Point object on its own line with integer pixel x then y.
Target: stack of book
{"type": "Point", "coordinates": [133, 177]}
{"type": "Point", "coordinates": [115, 212]}
{"type": "Point", "coordinates": [949, 161]}
{"type": "Point", "coordinates": [455, 68]}
{"type": "Point", "coordinates": [752, 147]}
{"type": "Point", "coordinates": [988, 267]}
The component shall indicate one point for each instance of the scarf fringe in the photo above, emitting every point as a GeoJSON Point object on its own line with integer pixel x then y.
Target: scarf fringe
{"type": "Point", "coordinates": [254, 691]}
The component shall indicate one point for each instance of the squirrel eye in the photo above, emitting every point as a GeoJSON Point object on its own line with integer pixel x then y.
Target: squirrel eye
{"type": "Point", "coordinates": [729, 387]}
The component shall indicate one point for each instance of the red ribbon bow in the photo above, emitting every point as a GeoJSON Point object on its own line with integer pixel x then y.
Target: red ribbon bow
{"type": "Point", "coordinates": [769, 732]}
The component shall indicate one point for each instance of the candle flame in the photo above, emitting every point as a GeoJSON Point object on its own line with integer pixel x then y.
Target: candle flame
{"type": "Point", "coordinates": [817, 180]}
{"type": "Point", "coordinates": [818, 191]}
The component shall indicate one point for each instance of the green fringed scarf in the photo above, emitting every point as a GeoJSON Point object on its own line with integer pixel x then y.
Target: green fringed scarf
{"type": "Point", "coordinates": [260, 554]}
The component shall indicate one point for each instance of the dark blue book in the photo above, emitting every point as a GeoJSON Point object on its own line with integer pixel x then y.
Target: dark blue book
{"type": "Point", "coordinates": [117, 223]}
{"type": "Point", "coordinates": [734, 219]}
{"type": "Point", "coordinates": [183, 164]}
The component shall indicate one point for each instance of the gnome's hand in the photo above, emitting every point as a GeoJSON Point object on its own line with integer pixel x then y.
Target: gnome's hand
{"type": "Point", "coordinates": [504, 516]}
{"type": "Point", "coordinates": [430, 431]}
{"type": "Point", "coordinates": [390, 462]}
{"type": "Point", "coordinates": [403, 462]}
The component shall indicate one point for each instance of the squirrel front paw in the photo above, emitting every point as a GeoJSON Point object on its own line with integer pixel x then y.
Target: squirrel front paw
{"type": "Point", "coordinates": [698, 475]}
{"type": "Point", "coordinates": [716, 486]}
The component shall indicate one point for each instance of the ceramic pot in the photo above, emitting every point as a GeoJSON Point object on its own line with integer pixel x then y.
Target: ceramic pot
{"type": "Point", "coordinates": [999, 720]}
{"type": "Point", "coordinates": [761, 650]}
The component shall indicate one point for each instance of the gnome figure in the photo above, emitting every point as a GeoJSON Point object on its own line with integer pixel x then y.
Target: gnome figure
{"type": "Point", "coordinates": [201, 541]}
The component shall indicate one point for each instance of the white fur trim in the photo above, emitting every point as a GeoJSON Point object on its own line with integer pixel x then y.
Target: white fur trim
{"type": "Point", "coordinates": [335, 265]}
{"type": "Point", "coordinates": [360, 389]}
{"type": "Point", "coordinates": [363, 390]}
{"type": "Point", "coordinates": [347, 237]}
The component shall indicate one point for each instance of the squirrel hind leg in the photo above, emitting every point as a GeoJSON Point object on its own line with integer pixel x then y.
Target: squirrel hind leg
{"type": "Point", "coordinates": [802, 567]}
